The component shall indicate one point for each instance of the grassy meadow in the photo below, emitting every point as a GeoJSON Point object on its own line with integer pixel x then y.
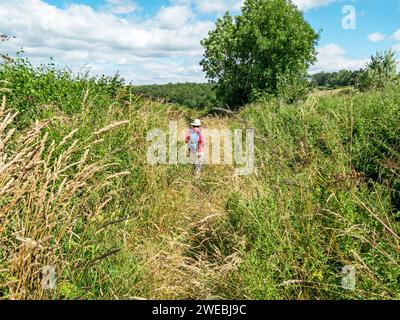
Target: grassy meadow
{"type": "Point", "coordinates": [77, 193]}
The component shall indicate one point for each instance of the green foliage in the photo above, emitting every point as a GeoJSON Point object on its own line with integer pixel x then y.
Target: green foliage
{"type": "Point", "coordinates": [104, 216]}
{"type": "Point", "coordinates": [34, 91]}
{"type": "Point", "coordinates": [342, 78]}
{"type": "Point", "coordinates": [293, 87]}
{"type": "Point", "coordinates": [326, 196]}
{"type": "Point", "coordinates": [380, 72]}
{"type": "Point", "coordinates": [252, 52]}
{"type": "Point", "coordinates": [326, 193]}
{"type": "Point", "coordinates": [193, 95]}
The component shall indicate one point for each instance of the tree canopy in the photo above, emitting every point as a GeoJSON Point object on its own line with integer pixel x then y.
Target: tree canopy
{"type": "Point", "coordinates": [258, 51]}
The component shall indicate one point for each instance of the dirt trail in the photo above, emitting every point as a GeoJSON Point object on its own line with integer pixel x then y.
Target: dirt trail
{"type": "Point", "coordinates": [189, 263]}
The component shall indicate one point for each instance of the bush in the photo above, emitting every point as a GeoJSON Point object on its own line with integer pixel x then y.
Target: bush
{"type": "Point", "coordinates": [380, 72]}
{"type": "Point", "coordinates": [293, 87]}
{"type": "Point", "coordinates": [342, 78]}
{"type": "Point", "coordinates": [33, 91]}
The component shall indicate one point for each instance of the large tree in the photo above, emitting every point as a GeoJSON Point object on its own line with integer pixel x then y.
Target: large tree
{"type": "Point", "coordinates": [268, 44]}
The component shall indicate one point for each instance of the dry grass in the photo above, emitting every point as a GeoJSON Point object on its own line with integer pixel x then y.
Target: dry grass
{"type": "Point", "coordinates": [271, 235]}
{"type": "Point", "coordinates": [44, 188]}
{"type": "Point", "coordinates": [181, 255]}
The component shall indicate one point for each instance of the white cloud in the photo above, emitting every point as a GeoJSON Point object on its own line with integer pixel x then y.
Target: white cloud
{"type": "Point", "coordinates": [376, 37]}
{"type": "Point", "coordinates": [220, 6]}
{"type": "Point", "coordinates": [309, 4]}
{"type": "Point", "coordinates": [211, 6]}
{"type": "Point", "coordinates": [174, 17]}
{"type": "Point", "coordinates": [332, 58]}
{"type": "Point", "coordinates": [80, 35]}
{"type": "Point", "coordinates": [120, 6]}
{"type": "Point", "coordinates": [163, 48]}
{"type": "Point", "coordinates": [396, 35]}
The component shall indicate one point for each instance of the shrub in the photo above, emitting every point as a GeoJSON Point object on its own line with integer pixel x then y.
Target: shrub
{"type": "Point", "coordinates": [380, 72]}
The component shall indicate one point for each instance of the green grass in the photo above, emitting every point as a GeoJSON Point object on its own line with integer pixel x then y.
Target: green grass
{"type": "Point", "coordinates": [325, 195]}
{"type": "Point", "coordinates": [76, 239]}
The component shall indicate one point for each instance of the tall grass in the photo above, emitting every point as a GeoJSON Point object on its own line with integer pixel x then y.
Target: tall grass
{"type": "Point", "coordinates": [45, 191]}
{"type": "Point", "coordinates": [325, 196]}
{"type": "Point", "coordinates": [76, 193]}
{"type": "Point", "coordinates": [75, 189]}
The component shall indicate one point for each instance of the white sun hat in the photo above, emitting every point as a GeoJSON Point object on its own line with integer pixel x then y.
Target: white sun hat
{"type": "Point", "coordinates": [196, 123]}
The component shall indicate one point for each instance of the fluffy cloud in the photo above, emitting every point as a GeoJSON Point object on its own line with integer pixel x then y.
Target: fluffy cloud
{"type": "Point", "coordinates": [211, 6]}
{"type": "Point", "coordinates": [79, 34]}
{"type": "Point", "coordinates": [174, 17]}
{"type": "Point", "coordinates": [309, 4]}
{"type": "Point", "coordinates": [332, 58]}
{"type": "Point", "coordinates": [80, 27]}
{"type": "Point", "coordinates": [376, 37]}
{"type": "Point", "coordinates": [163, 48]}
{"type": "Point", "coordinates": [220, 6]}
{"type": "Point", "coordinates": [120, 6]}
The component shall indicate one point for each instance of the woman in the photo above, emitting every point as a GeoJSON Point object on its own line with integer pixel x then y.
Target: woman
{"type": "Point", "coordinates": [195, 141]}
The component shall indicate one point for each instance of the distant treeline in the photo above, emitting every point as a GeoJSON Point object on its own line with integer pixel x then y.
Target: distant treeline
{"type": "Point", "coordinates": [342, 78]}
{"type": "Point", "coordinates": [192, 95]}
{"type": "Point", "coordinates": [203, 95]}
{"type": "Point", "coordinates": [380, 72]}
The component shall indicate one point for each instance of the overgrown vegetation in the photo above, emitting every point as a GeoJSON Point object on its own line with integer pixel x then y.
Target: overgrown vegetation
{"type": "Point", "coordinates": [37, 91]}
{"type": "Point", "coordinates": [199, 96]}
{"type": "Point", "coordinates": [72, 148]}
{"type": "Point", "coordinates": [326, 195]}
{"type": "Point", "coordinates": [76, 193]}
{"type": "Point", "coordinates": [381, 71]}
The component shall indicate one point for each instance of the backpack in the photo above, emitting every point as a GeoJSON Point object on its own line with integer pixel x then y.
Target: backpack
{"type": "Point", "coordinates": [194, 140]}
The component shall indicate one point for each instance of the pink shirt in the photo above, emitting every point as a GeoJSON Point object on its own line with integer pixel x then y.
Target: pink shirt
{"type": "Point", "coordinates": [201, 141]}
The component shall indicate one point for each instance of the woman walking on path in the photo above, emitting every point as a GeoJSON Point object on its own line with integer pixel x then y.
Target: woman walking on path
{"type": "Point", "coordinates": [195, 141]}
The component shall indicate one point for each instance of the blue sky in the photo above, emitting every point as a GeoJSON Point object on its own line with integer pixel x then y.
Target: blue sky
{"type": "Point", "coordinates": [157, 41]}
